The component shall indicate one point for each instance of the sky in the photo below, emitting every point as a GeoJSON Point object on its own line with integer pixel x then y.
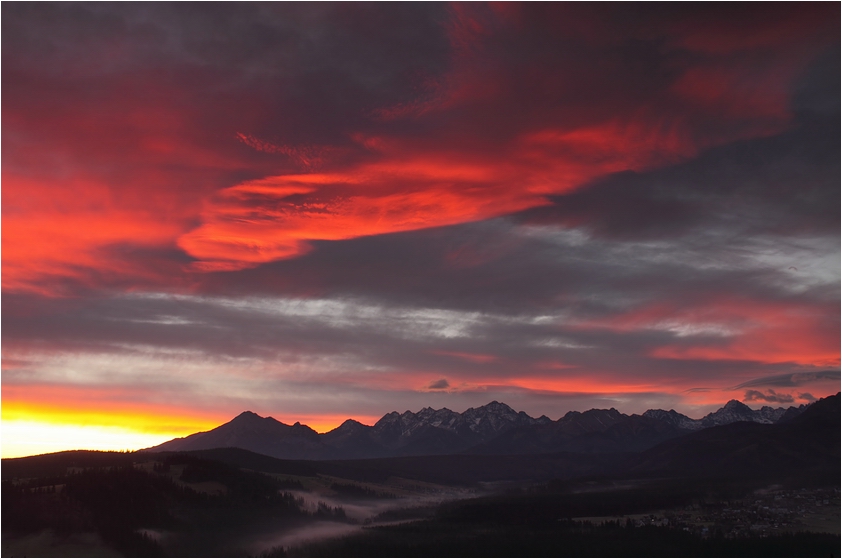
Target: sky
{"type": "Point", "coordinates": [320, 211]}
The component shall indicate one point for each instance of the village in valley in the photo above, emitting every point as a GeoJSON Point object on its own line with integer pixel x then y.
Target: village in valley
{"type": "Point", "coordinates": [770, 511]}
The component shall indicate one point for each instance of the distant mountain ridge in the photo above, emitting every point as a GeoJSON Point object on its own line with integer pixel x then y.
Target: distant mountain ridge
{"type": "Point", "coordinates": [494, 428]}
{"type": "Point", "coordinates": [802, 446]}
{"type": "Point", "coordinates": [731, 412]}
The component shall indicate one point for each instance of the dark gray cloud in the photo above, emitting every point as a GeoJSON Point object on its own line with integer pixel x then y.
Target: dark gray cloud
{"type": "Point", "coordinates": [786, 184]}
{"type": "Point", "coordinates": [440, 384]}
{"type": "Point", "coordinates": [770, 396]}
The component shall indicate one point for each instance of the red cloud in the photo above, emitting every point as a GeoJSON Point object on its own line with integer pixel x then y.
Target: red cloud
{"type": "Point", "coordinates": [533, 101]}
{"type": "Point", "coordinates": [726, 328]}
{"type": "Point", "coordinates": [502, 135]}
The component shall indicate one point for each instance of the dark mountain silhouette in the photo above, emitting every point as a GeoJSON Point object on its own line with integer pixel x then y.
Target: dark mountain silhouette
{"type": "Point", "coordinates": [352, 439]}
{"type": "Point", "coordinates": [803, 449]}
{"type": "Point", "coordinates": [806, 449]}
{"type": "Point", "coordinates": [805, 446]}
{"type": "Point", "coordinates": [590, 431]}
{"type": "Point", "coordinates": [264, 435]}
{"type": "Point", "coordinates": [731, 412]}
{"type": "Point", "coordinates": [427, 432]}
{"type": "Point", "coordinates": [491, 429]}
{"type": "Point", "coordinates": [735, 411]}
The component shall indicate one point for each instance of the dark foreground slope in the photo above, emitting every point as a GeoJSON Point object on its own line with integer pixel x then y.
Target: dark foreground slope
{"type": "Point", "coordinates": [120, 504]}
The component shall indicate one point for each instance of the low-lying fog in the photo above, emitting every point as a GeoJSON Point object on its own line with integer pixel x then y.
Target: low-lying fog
{"type": "Point", "coordinates": [359, 513]}
{"type": "Point", "coordinates": [361, 510]}
{"type": "Point", "coordinates": [317, 530]}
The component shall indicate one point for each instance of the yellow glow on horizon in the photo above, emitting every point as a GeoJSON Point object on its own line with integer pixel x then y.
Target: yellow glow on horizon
{"type": "Point", "coordinates": [28, 438]}
{"type": "Point", "coordinates": [20, 436]}
{"type": "Point", "coordinates": [149, 421]}
{"type": "Point", "coordinates": [29, 428]}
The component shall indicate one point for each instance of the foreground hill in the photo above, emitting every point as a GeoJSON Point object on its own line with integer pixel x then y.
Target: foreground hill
{"type": "Point", "coordinates": [491, 429]}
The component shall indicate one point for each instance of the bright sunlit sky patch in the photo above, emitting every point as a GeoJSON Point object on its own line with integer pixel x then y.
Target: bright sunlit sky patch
{"type": "Point", "coordinates": [328, 211]}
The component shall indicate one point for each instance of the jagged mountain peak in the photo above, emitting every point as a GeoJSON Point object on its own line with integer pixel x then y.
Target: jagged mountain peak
{"type": "Point", "coordinates": [474, 424]}
{"type": "Point", "coordinates": [660, 413]}
{"type": "Point", "coordinates": [612, 412]}
{"type": "Point", "coordinates": [250, 421]}
{"type": "Point", "coordinates": [491, 407]}
{"type": "Point", "coordinates": [349, 428]}
{"type": "Point", "coordinates": [673, 418]}
{"type": "Point", "coordinates": [443, 431]}
{"type": "Point", "coordinates": [497, 407]}
{"type": "Point", "coordinates": [251, 418]}
{"type": "Point", "coordinates": [735, 405]}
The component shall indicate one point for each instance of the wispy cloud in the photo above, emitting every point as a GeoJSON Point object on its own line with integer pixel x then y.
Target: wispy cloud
{"type": "Point", "coordinates": [790, 379]}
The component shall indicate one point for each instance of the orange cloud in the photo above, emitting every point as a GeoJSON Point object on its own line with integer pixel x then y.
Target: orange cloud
{"type": "Point", "coordinates": [274, 218]}
{"type": "Point", "coordinates": [55, 230]}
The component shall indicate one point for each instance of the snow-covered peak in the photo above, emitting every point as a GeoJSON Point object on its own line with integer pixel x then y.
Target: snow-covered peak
{"type": "Point", "coordinates": [484, 421]}
{"type": "Point", "coordinates": [735, 411]}
{"type": "Point", "coordinates": [494, 418]}
{"type": "Point", "coordinates": [731, 412]}
{"type": "Point", "coordinates": [674, 418]}
{"type": "Point", "coordinates": [736, 406]}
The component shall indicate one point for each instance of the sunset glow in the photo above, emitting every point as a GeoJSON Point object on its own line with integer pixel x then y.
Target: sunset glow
{"type": "Point", "coordinates": [333, 211]}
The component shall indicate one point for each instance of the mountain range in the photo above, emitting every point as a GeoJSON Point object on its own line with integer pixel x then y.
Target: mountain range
{"type": "Point", "coordinates": [492, 429]}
